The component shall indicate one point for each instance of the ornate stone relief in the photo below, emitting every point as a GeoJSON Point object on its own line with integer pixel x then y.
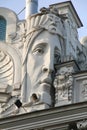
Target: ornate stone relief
{"type": "Point", "coordinates": [63, 84]}
{"type": "Point", "coordinates": [84, 90]}
{"type": "Point", "coordinates": [82, 125]}
{"type": "Point", "coordinates": [6, 68]}
{"type": "Point", "coordinates": [6, 77]}
{"type": "Point", "coordinates": [9, 77]}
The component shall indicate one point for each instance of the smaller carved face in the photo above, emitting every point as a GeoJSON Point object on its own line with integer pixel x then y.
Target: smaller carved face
{"type": "Point", "coordinates": [63, 70]}
{"type": "Point", "coordinates": [43, 55]}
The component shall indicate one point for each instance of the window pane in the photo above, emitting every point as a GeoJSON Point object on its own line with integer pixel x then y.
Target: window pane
{"type": "Point", "coordinates": [2, 28]}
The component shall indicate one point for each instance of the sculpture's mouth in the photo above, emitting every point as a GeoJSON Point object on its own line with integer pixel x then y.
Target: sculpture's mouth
{"type": "Point", "coordinates": [46, 85]}
{"type": "Point", "coordinates": [46, 82]}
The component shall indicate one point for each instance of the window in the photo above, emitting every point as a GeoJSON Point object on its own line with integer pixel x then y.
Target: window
{"type": "Point", "coordinates": [2, 29]}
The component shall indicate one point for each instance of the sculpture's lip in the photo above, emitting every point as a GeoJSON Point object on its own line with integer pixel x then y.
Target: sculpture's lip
{"type": "Point", "coordinates": [46, 81]}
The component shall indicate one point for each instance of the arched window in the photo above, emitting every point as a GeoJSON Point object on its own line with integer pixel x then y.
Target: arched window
{"type": "Point", "coordinates": [2, 29]}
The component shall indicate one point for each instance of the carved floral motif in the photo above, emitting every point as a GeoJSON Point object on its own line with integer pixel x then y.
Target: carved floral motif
{"type": "Point", "coordinates": [63, 86]}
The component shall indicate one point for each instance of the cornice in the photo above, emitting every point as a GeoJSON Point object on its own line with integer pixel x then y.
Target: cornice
{"type": "Point", "coordinates": [58, 116]}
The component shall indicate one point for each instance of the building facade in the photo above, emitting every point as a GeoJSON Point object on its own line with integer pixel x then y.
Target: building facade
{"type": "Point", "coordinates": [43, 69]}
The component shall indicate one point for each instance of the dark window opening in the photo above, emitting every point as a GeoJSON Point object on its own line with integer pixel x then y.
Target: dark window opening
{"type": "Point", "coordinates": [2, 28]}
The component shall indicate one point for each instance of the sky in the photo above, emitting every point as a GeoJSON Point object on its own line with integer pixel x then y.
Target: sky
{"type": "Point", "coordinates": [79, 5]}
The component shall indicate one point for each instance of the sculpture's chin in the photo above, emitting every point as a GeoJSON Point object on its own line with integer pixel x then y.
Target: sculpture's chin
{"type": "Point", "coordinates": [45, 87]}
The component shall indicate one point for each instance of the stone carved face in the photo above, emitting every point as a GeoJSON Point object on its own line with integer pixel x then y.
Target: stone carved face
{"type": "Point", "coordinates": [40, 66]}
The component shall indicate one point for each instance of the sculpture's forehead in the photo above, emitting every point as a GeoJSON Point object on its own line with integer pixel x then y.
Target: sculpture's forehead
{"type": "Point", "coordinates": [47, 38]}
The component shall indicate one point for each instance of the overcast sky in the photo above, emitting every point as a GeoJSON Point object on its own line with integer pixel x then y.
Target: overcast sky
{"type": "Point", "coordinates": [80, 6]}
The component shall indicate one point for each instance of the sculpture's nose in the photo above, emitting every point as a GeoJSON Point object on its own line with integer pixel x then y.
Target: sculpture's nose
{"type": "Point", "coordinates": [48, 66]}
{"type": "Point", "coordinates": [47, 69]}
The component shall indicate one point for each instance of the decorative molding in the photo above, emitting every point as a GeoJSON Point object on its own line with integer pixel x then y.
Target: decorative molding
{"type": "Point", "coordinates": [58, 116]}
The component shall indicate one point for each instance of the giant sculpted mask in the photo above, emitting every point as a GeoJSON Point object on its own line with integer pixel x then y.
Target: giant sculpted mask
{"type": "Point", "coordinates": [42, 51]}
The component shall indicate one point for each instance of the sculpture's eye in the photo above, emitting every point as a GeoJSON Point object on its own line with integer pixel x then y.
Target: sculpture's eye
{"type": "Point", "coordinates": [57, 58]}
{"type": "Point", "coordinates": [38, 50]}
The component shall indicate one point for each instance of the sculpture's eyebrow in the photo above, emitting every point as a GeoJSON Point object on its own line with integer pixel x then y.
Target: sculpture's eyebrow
{"type": "Point", "coordinates": [39, 43]}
